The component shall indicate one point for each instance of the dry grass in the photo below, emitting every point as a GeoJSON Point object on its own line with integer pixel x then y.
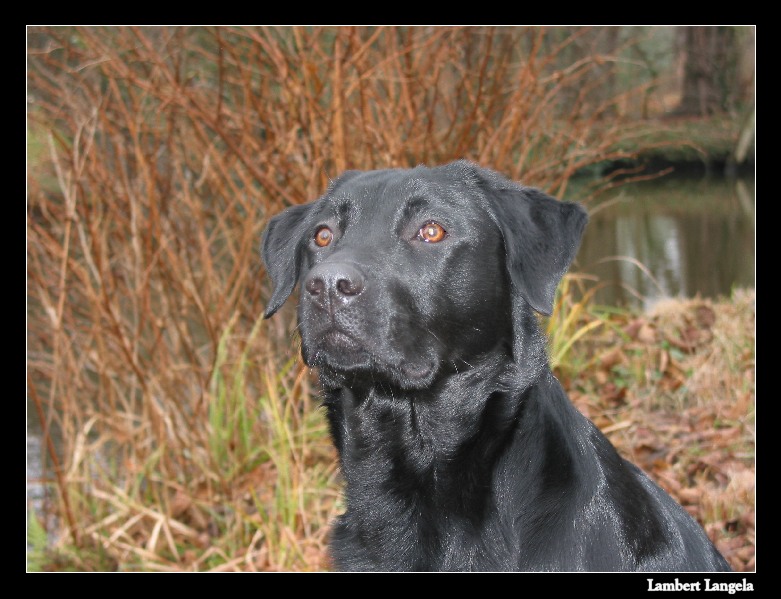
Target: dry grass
{"type": "Point", "coordinates": [189, 434]}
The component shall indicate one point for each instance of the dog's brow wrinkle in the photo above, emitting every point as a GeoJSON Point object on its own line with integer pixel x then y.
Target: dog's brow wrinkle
{"type": "Point", "coordinates": [342, 205]}
{"type": "Point", "coordinates": [415, 185]}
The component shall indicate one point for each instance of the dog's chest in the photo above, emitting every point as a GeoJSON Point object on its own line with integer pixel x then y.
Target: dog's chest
{"type": "Point", "coordinates": [417, 538]}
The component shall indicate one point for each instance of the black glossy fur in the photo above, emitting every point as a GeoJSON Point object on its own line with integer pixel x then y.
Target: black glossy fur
{"type": "Point", "coordinates": [459, 448]}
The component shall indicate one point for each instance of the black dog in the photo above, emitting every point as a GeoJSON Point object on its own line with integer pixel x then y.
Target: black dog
{"type": "Point", "coordinates": [459, 448]}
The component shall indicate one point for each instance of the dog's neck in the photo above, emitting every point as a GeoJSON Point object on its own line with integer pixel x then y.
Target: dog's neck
{"type": "Point", "coordinates": [430, 468]}
{"type": "Point", "coordinates": [436, 442]}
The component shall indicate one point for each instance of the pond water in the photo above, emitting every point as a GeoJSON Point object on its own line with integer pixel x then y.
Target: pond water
{"type": "Point", "coordinates": [670, 237]}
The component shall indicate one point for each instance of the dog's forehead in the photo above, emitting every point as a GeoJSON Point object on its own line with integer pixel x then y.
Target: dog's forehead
{"type": "Point", "coordinates": [384, 193]}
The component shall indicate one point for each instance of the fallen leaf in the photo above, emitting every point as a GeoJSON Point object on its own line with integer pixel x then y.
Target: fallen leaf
{"type": "Point", "coordinates": [646, 334]}
{"type": "Point", "coordinates": [691, 495]}
{"type": "Point", "coordinates": [180, 503]}
{"type": "Point", "coordinates": [611, 358]}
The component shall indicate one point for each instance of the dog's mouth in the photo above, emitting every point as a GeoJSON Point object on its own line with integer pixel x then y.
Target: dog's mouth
{"type": "Point", "coordinates": [343, 353]}
{"type": "Point", "coordinates": [335, 348]}
{"type": "Point", "coordinates": [338, 340]}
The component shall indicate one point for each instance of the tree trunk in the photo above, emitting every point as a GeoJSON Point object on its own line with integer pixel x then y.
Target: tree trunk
{"type": "Point", "coordinates": [710, 57]}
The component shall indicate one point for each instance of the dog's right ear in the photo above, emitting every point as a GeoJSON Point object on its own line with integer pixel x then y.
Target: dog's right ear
{"type": "Point", "coordinates": [280, 249]}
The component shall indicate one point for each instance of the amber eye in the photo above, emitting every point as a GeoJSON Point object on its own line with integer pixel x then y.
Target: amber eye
{"type": "Point", "coordinates": [323, 236]}
{"type": "Point", "coordinates": [432, 233]}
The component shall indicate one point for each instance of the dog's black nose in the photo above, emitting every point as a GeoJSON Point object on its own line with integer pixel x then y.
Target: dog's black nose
{"type": "Point", "coordinates": [333, 285]}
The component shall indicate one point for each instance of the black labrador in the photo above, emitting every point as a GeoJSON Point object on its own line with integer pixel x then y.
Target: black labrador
{"type": "Point", "coordinates": [459, 448]}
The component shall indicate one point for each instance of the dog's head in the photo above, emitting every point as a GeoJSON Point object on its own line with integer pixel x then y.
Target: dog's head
{"type": "Point", "coordinates": [408, 273]}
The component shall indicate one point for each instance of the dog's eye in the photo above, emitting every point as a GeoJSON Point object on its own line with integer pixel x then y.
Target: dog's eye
{"type": "Point", "coordinates": [432, 233]}
{"type": "Point", "coordinates": [323, 236]}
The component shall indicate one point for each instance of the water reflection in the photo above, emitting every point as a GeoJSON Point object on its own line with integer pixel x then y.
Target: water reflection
{"type": "Point", "coordinates": [671, 238]}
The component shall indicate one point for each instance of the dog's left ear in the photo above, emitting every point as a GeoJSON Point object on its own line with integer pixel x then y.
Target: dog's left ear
{"type": "Point", "coordinates": [280, 248]}
{"type": "Point", "coordinates": [541, 236]}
